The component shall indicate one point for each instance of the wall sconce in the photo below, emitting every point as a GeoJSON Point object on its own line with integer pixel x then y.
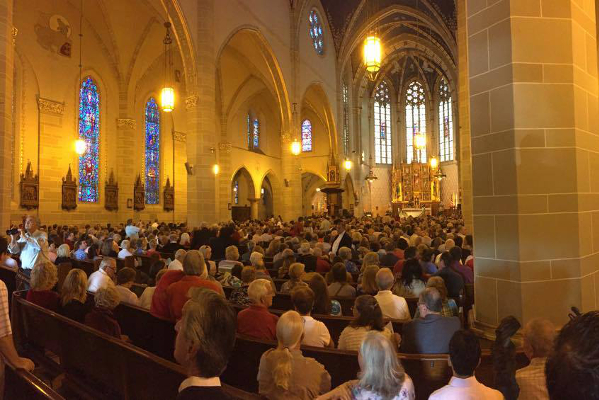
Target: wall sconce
{"type": "Point", "coordinates": [215, 169]}
{"type": "Point", "coordinates": [434, 163]}
{"type": "Point", "coordinates": [347, 164]}
{"type": "Point", "coordinates": [296, 148]}
{"type": "Point", "coordinates": [80, 147]}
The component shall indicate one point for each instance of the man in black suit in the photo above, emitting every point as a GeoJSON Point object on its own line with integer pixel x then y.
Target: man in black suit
{"type": "Point", "coordinates": [343, 239]}
{"type": "Point", "coordinates": [431, 333]}
{"type": "Point", "coordinates": [205, 341]}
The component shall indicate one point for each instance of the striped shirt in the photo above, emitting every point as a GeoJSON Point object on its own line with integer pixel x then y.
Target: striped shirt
{"type": "Point", "coordinates": [531, 380]}
{"type": "Point", "coordinates": [5, 328]}
{"type": "Point", "coordinates": [351, 338]}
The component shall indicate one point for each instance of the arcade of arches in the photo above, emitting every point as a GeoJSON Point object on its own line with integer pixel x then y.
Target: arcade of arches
{"type": "Point", "coordinates": [503, 94]}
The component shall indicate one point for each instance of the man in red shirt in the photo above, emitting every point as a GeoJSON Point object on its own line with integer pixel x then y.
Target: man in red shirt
{"type": "Point", "coordinates": [160, 305]}
{"type": "Point", "coordinates": [255, 321]}
{"type": "Point", "coordinates": [196, 273]}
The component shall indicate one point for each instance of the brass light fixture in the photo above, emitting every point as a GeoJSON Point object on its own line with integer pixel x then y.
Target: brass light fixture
{"type": "Point", "coordinates": [167, 95]}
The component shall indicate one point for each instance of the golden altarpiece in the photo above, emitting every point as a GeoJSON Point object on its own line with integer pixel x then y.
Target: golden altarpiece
{"type": "Point", "coordinates": [414, 187]}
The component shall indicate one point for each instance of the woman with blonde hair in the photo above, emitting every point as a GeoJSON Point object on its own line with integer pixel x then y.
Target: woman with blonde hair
{"type": "Point", "coordinates": [63, 254]}
{"type": "Point", "coordinates": [73, 294]}
{"type": "Point", "coordinates": [368, 285]}
{"type": "Point", "coordinates": [284, 372]}
{"type": "Point", "coordinates": [296, 271]}
{"type": "Point", "coordinates": [44, 276]}
{"type": "Point", "coordinates": [381, 375]}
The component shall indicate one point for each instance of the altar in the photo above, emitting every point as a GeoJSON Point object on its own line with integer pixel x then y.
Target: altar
{"type": "Point", "coordinates": [415, 190]}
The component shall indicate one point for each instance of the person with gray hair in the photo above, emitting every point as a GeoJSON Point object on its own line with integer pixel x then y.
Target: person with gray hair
{"type": "Point", "coordinates": [255, 321]}
{"type": "Point", "coordinates": [538, 337]}
{"type": "Point", "coordinates": [126, 247]}
{"type": "Point", "coordinates": [196, 275]}
{"type": "Point", "coordinates": [101, 317]}
{"type": "Point", "coordinates": [31, 245]}
{"type": "Point", "coordinates": [381, 374]}
{"type": "Point", "coordinates": [231, 260]}
{"type": "Point", "coordinates": [104, 276]}
{"type": "Point", "coordinates": [346, 254]}
{"type": "Point", "coordinates": [392, 306]}
{"type": "Point", "coordinates": [204, 344]}
{"type": "Point", "coordinates": [431, 333]}
{"type": "Point", "coordinates": [177, 263]}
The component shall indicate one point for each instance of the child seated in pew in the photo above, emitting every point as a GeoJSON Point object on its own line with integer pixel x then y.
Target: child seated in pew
{"type": "Point", "coordinates": [284, 372]}
{"type": "Point", "coordinates": [43, 278]}
{"type": "Point", "coordinates": [125, 278]}
{"type": "Point", "coordinates": [315, 332]}
{"type": "Point", "coordinates": [381, 377]}
{"type": "Point", "coordinates": [73, 294]}
{"type": "Point", "coordinates": [101, 317]}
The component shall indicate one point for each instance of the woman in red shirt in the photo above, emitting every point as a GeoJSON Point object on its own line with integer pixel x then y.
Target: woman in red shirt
{"type": "Point", "coordinates": [43, 278]}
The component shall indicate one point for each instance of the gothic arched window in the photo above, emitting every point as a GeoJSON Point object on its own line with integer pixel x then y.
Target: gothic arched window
{"type": "Point", "coordinates": [445, 123]}
{"type": "Point", "coordinates": [89, 131]}
{"type": "Point", "coordinates": [382, 124]}
{"type": "Point", "coordinates": [306, 135]}
{"type": "Point", "coordinates": [316, 32]}
{"type": "Point", "coordinates": [415, 122]}
{"type": "Point", "coordinates": [253, 132]}
{"type": "Point", "coordinates": [345, 98]}
{"type": "Point", "coordinates": [152, 156]}
{"type": "Point", "coordinates": [236, 192]}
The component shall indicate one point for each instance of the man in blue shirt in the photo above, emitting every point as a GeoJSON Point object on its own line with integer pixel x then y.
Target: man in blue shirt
{"type": "Point", "coordinates": [80, 254]}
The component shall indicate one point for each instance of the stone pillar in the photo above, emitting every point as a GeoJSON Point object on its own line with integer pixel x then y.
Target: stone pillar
{"type": "Point", "coordinates": [291, 185]}
{"type": "Point", "coordinates": [535, 157]}
{"type": "Point", "coordinates": [201, 111]}
{"type": "Point", "coordinates": [7, 52]}
{"type": "Point", "coordinates": [127, 166]}
{"type": "Point", "coordinates": [463, 150]}
{"type": "Point", "coordinates": [254, 202]}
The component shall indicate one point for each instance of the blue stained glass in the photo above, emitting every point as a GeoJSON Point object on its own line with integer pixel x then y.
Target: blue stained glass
{"type": "Point", "coordinates": [315, 30]}
{"type": "Point", "coordinates": [89, 131]}
{"type": "Point", "coordinates": [249, 135]}
{"type": "Point", "coordinates": [306, 135]}
{"type": "Point", "coordinates": [152, 152]}
{"type": "Point", "coordinates": [256, 133]}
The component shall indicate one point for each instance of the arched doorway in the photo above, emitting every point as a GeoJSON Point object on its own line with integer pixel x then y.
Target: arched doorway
{"type": "Point", "coordinates": [349, 196]}
{"type": "Point", "coordinates": [313, 200]}
{"type": "Point", "coordinates": [266, 204]}
{"type": "Point", "coordinates": [242, 195]}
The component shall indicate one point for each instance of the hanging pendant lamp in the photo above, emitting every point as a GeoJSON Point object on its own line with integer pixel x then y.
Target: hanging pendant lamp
{"type": "Point", "coordinates": [167, 95]}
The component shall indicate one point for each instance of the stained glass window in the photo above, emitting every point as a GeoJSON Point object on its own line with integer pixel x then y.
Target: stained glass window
{"type": "Point", "coordinates": [316, 32]}
{"type": "Point", "coordinates": [415, 121]}
{"type": "Point", "coordinates": [445, 123]}
{"type": "Point", "coordinates": [382, 124]}
{"type": "Point", "coordinates": [256, 142]}
{"type": "Point", "coordinates": [306, 135]}
{"type": "Point", "coordinates": [345, 96]}
{"type": "Point", "coordinates": [236, 191]}
{"type": "Point", "coordinates": [152, 155]}
{"type": "Point", "coordinates": [89, 131]}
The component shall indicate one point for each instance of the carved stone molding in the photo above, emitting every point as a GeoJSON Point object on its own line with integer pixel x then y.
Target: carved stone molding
{"type": "Point", "coordinates": [111, 190]}
{"type": "Point", "coordinates": [50, 106]}
{"type": "Point", "coordinates": [29, 189]}
{"type": "Point", "coordinates": [15, 32]}
{"type": "Point", "coordinates": [69, 191]}
{"type": "Point", "coordinates": [191, 102]}
{"type": "Point", "coordinates": [125, 123]}
{"type": "Point", "coordinates": [169, 196]}
{"type": "Point", "coordinates": [180, 136]}
{"type": "Point", "coordinates": [139, 194]}
{"type": "Point", "coordinates": [224, 147]}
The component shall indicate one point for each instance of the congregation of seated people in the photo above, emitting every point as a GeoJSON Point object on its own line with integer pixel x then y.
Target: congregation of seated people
{"type": "Point", "coordinates": [218, 282]}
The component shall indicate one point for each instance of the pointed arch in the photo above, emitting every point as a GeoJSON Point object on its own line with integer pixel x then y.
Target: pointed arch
{"type": "Point", "coordinates": [382, 124]}
{"type": "Point", "coordinates": [415, 121]}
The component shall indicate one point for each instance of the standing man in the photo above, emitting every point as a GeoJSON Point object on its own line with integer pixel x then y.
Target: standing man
{"type": "Point", "coordinates": [131, 230]}
{"type": "Point", "coordinates": [343, 238]}
{"type": "Point", "coordinates": [32, 245]}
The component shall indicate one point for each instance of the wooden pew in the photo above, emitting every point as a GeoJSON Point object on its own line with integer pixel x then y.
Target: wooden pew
{"type": "Point", "coordinates": [9, 277]}
{"type": "Point", "coordinates": [95, 364]}
{"type": "Point", "coordinates": [20, 384]}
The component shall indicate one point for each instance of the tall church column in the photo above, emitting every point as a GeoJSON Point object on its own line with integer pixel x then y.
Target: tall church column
{"type": "Point", "coordinates": [127, 167]}
{"type": "Point", "coordinates": [535, 157]}
{"type": "Point", "coordinates": [291, 199]}
{"type": "Point", "coordinates": [201, 139]}
{"type": "Point", "coordinates": [7, 52]}
{"type": "Point", "coordinates": [463, 149]}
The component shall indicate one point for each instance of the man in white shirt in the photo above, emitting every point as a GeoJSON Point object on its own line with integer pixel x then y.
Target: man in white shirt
{"type": "Point", "coordinates": [538, 336]}
{"type": "Point", "coordinates": [315, 332]}
{"type": "Point", "coordinates": [125, 279]}
{"type": "Point", "coordinates": [104, 276]}
{"type": "Point", "coordinates": [125, 252]}
{"type": "Point", "coordinates": [131, 230]}
{"type": "Point", "coordinates": [464, 354]}
{"type": "Point", "coordinates": [177, 263]}
{"type": "Point", "coordinates": [30, 244]}
{"type": "Point", "coordinates": [392, 306]}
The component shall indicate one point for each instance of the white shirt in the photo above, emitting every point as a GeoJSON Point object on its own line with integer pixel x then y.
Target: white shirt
{"type": "Point", "coordinates": [337, 242]}
{"type": "Point", "coordinates": [392, 306]}
{"type": "Point", "coordinates": [145, 301]}
{"type": "Point", "coordinates": [127, 296]}
{"type": "Point", "coordinates": [315, 332]}
{"type": "Point", "coordinates": [465, 389]}
{"type": "Point", "coordinates": [124, 253]}
{"type": "Point", "coordinates": [97, 280]}
{"type": "Point", "coordinates": [197, 381]}
{"type": "Point", "coordinates": [175, 265]}
{"type": "Point", "coordinates": [30, 247]}
{"type": "Point", "coordinates": [132, 231]}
